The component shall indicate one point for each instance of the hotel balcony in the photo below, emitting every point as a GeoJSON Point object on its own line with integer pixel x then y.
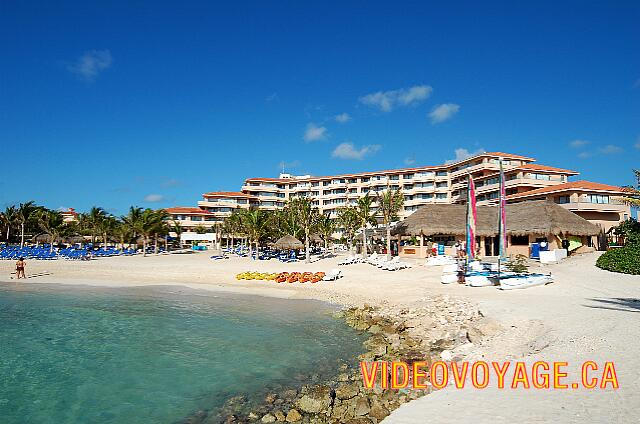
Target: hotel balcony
{"type": "Point", "coordinates": [612, 206]}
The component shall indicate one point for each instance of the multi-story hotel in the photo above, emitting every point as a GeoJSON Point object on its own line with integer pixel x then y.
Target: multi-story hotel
{"type": "Point", "coordinates": [445, 183]}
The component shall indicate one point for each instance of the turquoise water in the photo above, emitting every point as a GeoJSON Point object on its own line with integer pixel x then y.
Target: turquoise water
{"type": "Point", "coordinates": [154, 355]}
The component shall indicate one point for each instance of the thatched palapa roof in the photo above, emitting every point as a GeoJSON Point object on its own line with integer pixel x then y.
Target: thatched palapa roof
{"type": "Point", "coordinates": [288, 242]}
{"type": "Point", "coordinates": [534, 217]}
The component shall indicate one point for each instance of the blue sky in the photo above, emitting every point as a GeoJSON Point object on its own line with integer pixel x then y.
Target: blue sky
{"type": "Point", "coordinates": [115, 103]}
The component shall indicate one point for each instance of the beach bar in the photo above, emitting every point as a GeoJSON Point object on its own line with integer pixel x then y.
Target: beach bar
{"type": "Point", "coordinates": [528, 223]}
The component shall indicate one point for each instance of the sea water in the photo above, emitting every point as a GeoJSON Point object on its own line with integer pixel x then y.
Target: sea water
{"type": "Point", "coordinates": [91, 355]}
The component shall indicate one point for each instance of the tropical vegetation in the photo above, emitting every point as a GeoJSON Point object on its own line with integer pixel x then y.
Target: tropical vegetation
{"type": "Point", "coordinates": [625, 259]}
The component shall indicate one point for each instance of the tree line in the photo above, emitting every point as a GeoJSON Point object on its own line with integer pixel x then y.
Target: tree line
{"type": "Point", "coordinates": [30, 219]}
{"type": "Point", "coordinates": [299, 218]}
{"type": "Point", "coordinates": [302, 220]}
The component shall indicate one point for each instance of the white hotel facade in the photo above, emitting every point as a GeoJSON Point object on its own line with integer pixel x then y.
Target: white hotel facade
{"type": "Point", "coordinates": [445, 183]}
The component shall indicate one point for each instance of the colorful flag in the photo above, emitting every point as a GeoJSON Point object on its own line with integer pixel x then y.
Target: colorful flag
{"type": "Point", "coordinates": [471, 220]}
{"type": "Point", "coordinates": [502, 218]}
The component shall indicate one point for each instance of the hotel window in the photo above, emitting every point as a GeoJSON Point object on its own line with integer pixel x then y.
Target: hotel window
{"type": "Point", "coordinates": [353, 180]}
{"type": "Point", "coordinates": [196, 218]}
{"type": "Point", "coordinates": [407, 186]}
{"type": "Point", "coordinates": [408, 197]}
{"type": "Point", "coordinates": [540, 177]}
{"type": "Point", "coordinates": [563, 199]}
{"type": "Point", "coordinates": [441, 185]}
{"type": "Point", "coordinates": [365, 190]}
{"type": "Point", "coordinates": [441, 195]}
{"type": "Point", "coordinates": [441, 174]}
{"type": "Point", "coordinates": [325, 183]}
{"type": "Point", "coordinates": [364, 180]}
{"type": "Point", "coordinates": [394, 177]}
{"type": "Point", "coordinates": [316, 184]}
{"type": "Point", "coordinates": [598, 198]}
{"type": "Point", "coordinates": [407, 176]}
{"type": "Point", "coordinates": [353, 190]}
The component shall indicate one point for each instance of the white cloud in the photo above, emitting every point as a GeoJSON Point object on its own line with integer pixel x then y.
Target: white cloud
{"type": "Point", "coordinates": [342, 118]}
{"type": "Point", "coordinates": [462, 154]}
{"type": "Point", "coordinates": [91, 63]}
{"type": "Point", "coordinates": [637, 145]}
{"type": "Point", "coordinates": [154, 198]}
{"type": "Point", "coordinates": [386, 101]}
{"type": "Point", "coordinates": [410, 161]}
{"type": "Point", "coordinates": [584, 155]}
{"type": "Point", "coordinates": [313, 132]}
{"type": "Point", "coordinates": [443, 112]}
{"type": "Point", "coordinates": [610, 149]}
{"type": "Point", "coordinates": [350, 151]}
{"type": "Point", "coordinates": [576, 144]}
{"type": "Point", "coordinates": [637, 83]}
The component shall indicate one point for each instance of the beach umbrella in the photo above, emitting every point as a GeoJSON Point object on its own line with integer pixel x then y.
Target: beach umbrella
{"type": "Point", "coordinates": [288, 242]}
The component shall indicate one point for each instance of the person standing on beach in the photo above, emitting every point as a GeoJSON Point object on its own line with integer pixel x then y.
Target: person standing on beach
{"type": "Point", "coordinates": [20, 268]}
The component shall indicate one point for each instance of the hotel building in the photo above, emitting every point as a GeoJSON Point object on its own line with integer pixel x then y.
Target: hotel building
{"type": "Point", "coordinates": [445, 183]}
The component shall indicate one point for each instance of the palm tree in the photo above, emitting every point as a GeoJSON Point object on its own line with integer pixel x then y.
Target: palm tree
{"type": "Point", "coordinates": [122, 232]}
{"type": "Point", "coordinates": [160, 227]}
{"type": "Point", "coordinates": [255, 223]}
{"type": "Point", "coordinates": [326, 227]}
{"type": "Point", "coordinates": [366, 216]}
{"type": "Point", "coordinates": [145, 226]}
{"type": "Point", "coordinates": [389, 205]}
{"type": "Point", "coordinates": [132, 220]}
{"type": "Point", "coordinates": [307, 217]}
{"type": "Point", "coordinates": [52, 223]}
{"type": "Point", "coordinates": [632, 198]}
{"type": "Point", "coordinates": [348, 220]}
{"type": "Point", "coordinates": [8, 219]}
{"type": "Point", "coordinates": [176, 227]}
{"type": "Point", "coordinates": [92, 222]}
{"type": "Point", "coordinates": [24, 214]}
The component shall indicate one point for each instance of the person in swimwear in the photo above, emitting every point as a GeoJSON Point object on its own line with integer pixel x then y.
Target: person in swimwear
{"type": "Point", "coordinates": [20, 268]}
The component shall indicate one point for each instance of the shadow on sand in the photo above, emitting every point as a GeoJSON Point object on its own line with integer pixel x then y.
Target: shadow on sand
{"type": "Point", "coordinates": [626, 304]}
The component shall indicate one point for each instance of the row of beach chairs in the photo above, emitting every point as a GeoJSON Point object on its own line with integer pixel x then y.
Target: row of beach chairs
{"type": "Point", "coordinates": [379, 261]}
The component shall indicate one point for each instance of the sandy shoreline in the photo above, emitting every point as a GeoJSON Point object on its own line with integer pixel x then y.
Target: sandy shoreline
{"type": "Point", "coordinates": [588, 314]}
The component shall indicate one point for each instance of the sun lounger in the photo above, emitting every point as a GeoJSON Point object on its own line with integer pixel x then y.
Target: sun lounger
{"type": "Point", "coordinates": [333, 275]}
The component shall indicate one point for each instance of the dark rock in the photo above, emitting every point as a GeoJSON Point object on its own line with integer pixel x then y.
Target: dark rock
{"type": "Point", "coordinates": [362, 407]}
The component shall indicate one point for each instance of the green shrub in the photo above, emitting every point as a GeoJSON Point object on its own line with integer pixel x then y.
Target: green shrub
{"type": "Point", "coordinates": [624, 259]}
{"type": "Point", "coordinates": [518, 264]}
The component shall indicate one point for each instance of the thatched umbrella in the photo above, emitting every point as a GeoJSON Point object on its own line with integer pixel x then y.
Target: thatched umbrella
{"type": "Point", "coordinates": [533, 217]}
{"type": "Point", "coordinates": [288, 242]}
{"type": "Point", "coordinates": [74, 239]}
{"type": "Point", "coordinates": [42, 238]}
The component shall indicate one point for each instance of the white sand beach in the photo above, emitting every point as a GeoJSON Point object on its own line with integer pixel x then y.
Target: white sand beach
{"type": "Point", "coordinates": [587, 314]}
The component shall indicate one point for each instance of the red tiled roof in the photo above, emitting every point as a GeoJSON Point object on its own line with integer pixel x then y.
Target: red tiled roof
{"type": "Point", "coordinates": [536, 167]}
{"type": "Point", "coordinates": [572, 186]}
{"type": "Point", "coordinates": [227, 194]}
{"type": "Point", "coordinates": [504, 155]}
{"type": "Point", "coordinates": [187, 210]}
{"type": "Point", "coordinates": [391, 171]}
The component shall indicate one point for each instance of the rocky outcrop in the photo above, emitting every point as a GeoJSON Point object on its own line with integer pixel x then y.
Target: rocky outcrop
{"type": "Point", "coordinates": [439, 327]}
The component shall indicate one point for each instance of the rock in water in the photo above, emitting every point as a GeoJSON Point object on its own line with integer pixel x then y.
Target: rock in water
{"type": "Point", "coordinates": [279, 415]}
{"type": "Point", "coordinates": [268, 419]}
{"type": "Point", "coordinates": [316, 400]}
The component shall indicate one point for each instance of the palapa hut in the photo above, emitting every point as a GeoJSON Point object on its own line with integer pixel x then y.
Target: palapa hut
{"type": "Point", "coordinates": [288, 242]}
{"type": "Point", "coordinates": [527, 222]}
